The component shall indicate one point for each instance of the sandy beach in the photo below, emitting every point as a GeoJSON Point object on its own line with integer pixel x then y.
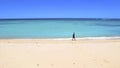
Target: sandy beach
{"type": "Point", "coordinates": [41, 53]}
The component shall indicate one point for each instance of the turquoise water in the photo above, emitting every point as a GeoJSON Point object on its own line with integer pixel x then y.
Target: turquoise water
{"type": "Point", "coordinates": [58, 28]}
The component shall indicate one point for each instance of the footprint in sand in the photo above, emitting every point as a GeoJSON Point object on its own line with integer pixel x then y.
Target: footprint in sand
{"type": "Point", "coordinates": [101, 65]}
{"type": "Point", "coordinates": [37, 64]}
{"type": "Point", "coordinates": [106, 61]}
{"type": "Point", "coordinates": [94, 59]}
{"type": "Point", "coordinates": [74, 63]}
{"type": "Point", "coordinates": [52, 64]}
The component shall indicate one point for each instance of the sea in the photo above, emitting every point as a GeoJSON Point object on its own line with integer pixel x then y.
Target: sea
{"type": "Point", "coordinates": [59, 28]}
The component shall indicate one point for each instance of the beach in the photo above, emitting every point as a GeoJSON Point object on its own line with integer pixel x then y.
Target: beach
{"type": "Point", "coordinates": [46, 53]}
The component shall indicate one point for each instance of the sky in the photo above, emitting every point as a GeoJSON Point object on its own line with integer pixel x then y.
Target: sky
{"type": "Point", "coordinates": [59, 8]}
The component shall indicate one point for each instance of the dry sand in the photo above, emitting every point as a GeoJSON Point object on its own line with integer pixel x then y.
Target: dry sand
{"type": "Point", "coordinates": [41, 53]}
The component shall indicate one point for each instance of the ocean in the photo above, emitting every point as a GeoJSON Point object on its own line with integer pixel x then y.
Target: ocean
{"type": "Point", "coordinates": [56, 29]}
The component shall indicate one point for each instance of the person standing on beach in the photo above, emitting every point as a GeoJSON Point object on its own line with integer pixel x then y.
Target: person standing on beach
{"type": "Point", "coordinates": [73, 36]}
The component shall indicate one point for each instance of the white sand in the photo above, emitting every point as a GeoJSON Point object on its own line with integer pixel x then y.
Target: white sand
{"type": "Point", "coordinates": [36, 53]}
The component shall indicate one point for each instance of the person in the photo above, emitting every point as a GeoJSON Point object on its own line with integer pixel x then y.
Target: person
{"type": "Point", "coordinates": [73, 36]}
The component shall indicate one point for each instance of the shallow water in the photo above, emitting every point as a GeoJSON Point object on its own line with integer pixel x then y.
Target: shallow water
{"type": "Point", "coordinates": [58, 28]}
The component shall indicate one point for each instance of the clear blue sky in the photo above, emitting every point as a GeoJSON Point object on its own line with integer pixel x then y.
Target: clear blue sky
{"type": "Point", "coordinates": [59, 8]}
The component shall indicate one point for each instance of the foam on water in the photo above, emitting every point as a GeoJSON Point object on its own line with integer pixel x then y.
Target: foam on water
{"type": "Point", "coordinates": [87, 38]}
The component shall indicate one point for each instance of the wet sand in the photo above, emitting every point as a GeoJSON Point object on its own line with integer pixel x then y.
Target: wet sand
{"type": "Point", "coordinates": [41, 53]}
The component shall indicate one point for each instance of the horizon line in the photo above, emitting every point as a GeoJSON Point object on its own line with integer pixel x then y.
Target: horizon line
{"type": "Point", "coordinates": [59, 18]}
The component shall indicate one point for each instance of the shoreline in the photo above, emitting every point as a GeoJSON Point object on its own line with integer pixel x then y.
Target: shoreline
{"type": "Point", "coordinates": [79, 38]}
{"type": "Point", "coordinates": [66, 38]}
{"type": "Point", "coordinates": [55, 42]}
